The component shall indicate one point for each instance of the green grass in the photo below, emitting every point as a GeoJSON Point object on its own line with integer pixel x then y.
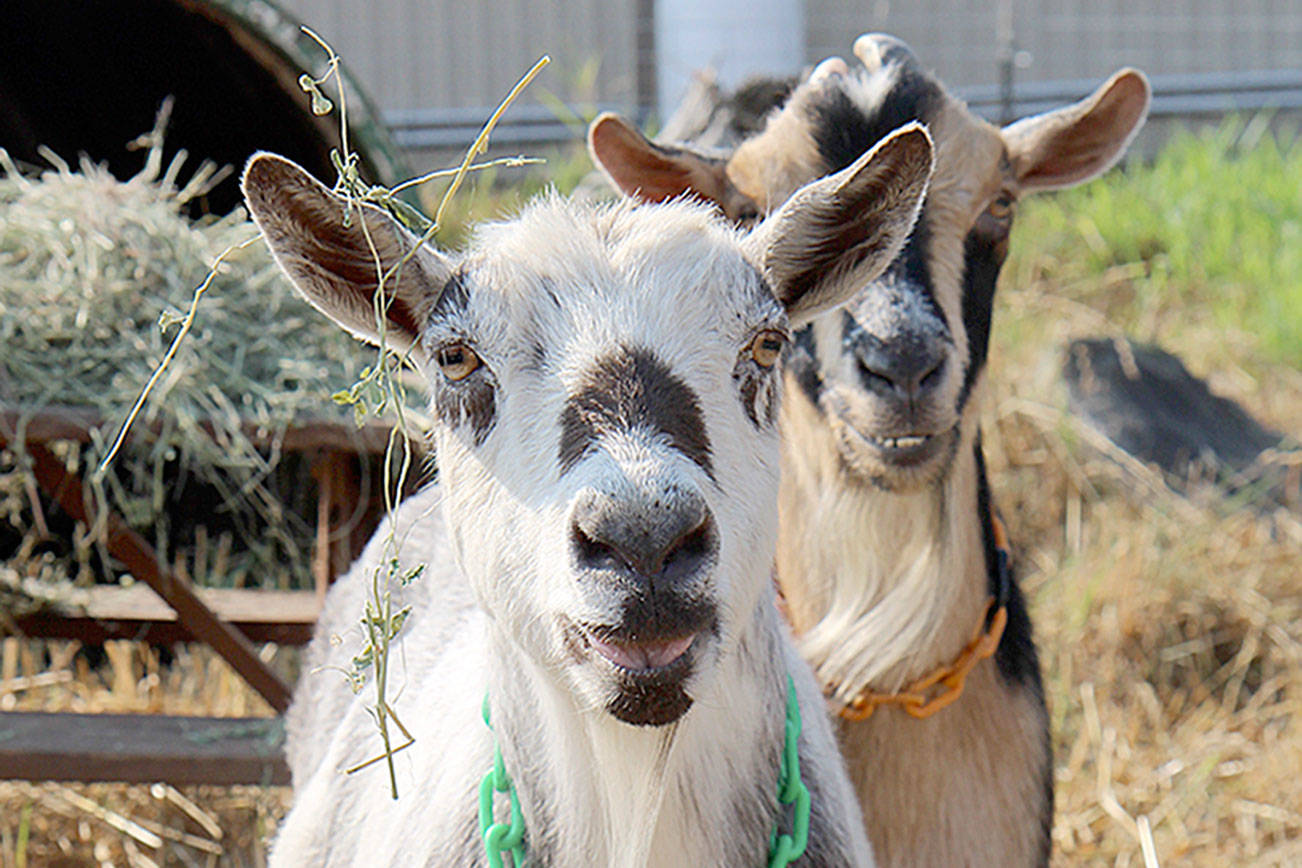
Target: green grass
{"type": "Point", "coordinates": [1213, 223]}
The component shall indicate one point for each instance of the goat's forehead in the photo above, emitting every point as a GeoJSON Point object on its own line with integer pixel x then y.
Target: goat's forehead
{"type": "Point", "coordinates": [619, 269]}
{"type": "Point", "coordinates": [829, 122]}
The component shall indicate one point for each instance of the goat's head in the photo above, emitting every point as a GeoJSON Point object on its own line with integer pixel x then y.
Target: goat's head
{"type": "Point", "coordinates": [893, 372]}
{"type": "Point", "coordinates": [604, 387]}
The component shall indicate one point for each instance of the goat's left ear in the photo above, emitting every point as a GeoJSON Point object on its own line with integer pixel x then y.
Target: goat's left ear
{"type": "Point", "coordinates": [836, 234]}
{"type": "Point", "coordinates": [1075, 143]}
{"type": "Point", "coordinates": [653, 173]}
{"type": "Point", "coordinates": [338, 256]}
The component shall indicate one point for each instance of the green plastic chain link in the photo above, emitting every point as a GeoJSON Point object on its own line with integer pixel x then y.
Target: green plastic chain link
{"type": "Point", "coordinates": [783, 849]}
{"type": "Point", "coordinates": [499, 837]}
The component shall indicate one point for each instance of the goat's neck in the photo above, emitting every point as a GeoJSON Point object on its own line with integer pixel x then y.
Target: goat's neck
{"type": "Point", "coordinates": [600, 792]}
{"type": "Point", "coordinates": [881, 587]}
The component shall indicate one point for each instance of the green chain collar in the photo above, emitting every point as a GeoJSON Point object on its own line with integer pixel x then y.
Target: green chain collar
{"type": "Point", "coordinates": [500, 838]}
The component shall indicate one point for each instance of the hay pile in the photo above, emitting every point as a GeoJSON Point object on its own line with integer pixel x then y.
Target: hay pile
{"type": "Point", "coordinates": [1170, 628]}
{"type": "Point", "coordinates": [87, 266]}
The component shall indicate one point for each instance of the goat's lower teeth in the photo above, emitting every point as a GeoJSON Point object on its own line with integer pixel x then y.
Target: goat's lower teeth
{"type": "Point", "coordinates": [903, 442]}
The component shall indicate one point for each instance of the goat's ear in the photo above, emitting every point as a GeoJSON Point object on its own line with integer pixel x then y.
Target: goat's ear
{"type": "Point", "coordinates": [837, 234]}
{"type": "Point", "coordinates": [1077, 142]}
{"type": "Point", "coordinates": [651, 172]}
{"type": "Point", "coordinates": [335, 258]}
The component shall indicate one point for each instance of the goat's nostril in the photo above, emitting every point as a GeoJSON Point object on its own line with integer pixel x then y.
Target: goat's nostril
{"type": "Point", "coordinates": [670, 545]}
{"type": "Point", "coordinates": [931, 379]}
{"type": "Point", "coordinates": [593, 553]}
{"type": "Point", "coordinates": [693, 547]}
{"type": "Point", "coordinates": [874, 380]}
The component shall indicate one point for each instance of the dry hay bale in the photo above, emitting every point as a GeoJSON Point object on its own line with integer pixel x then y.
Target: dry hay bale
{"type": "Point", "coordinates": [88, 264]}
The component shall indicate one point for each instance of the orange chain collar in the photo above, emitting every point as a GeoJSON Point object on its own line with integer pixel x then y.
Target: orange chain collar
{"type": "Point", "coordinates": [913, 698]}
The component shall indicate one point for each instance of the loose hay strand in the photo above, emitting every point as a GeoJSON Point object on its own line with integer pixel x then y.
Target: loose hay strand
{"type": "Point", "coordinates": [186, 323]}
{"type": "Point", "coordinates": [380, 622]}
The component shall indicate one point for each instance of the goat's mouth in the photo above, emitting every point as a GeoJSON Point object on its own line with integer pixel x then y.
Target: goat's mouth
{"type": "Point", "coordinates": [892, 458]}
{"type": "Point", "coordinates": [648, 675]}
{"type": "Point", "coordinates": [902, 450]}
{"type": "Point", "coordinates": [892, 447]}
{"type": "Point", "coordinates": [642, 657]}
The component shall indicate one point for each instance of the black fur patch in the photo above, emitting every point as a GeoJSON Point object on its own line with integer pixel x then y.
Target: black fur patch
{"type": "Point", "coordinates": [758, 389]}
{"type": "Point", "coordinates": [913, 266]}
{"type": "Point", "coordinates": [654, 700]}
{"type": "Point", "coordinates": [632, 389]}
{"type": "Point", "coordinates": [1016, 655]}
{"type": "Point", "coordinates": [801, 360]}
{"type": "Point", "coordinates": [983, 257]}
{"type": "Point", "coordinates": [471, 402]}
{"type": "Point", "coordinates": [454, 298]}
{"type": "Point", "coordinates": [843, 132]}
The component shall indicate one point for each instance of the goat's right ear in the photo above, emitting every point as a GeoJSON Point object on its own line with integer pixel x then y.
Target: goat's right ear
{"type": "Point", "coordinates": [836, 234]}
{"type": "Point", "coordinates": [335, 258]}
{"type": "Point", "coordinates": [650, 172]}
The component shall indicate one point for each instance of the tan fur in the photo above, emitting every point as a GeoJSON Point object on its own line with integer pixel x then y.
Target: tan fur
{"type": "Point", "coordinates": [883, 588]}
{"type": "Point", "coordinates": [962, 787]}
{"type": "Point", "coordinates": [768, 169]}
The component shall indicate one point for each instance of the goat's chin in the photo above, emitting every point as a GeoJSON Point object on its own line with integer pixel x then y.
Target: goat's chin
{"type": "Point", "coordinates": [874, 458]}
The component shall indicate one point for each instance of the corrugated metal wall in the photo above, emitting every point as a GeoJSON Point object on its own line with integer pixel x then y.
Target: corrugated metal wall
{"type": "Point", "coordinates": [1071, 39]}
{"type": "Point", "coordinates": [423, 54]}
{"type": "Point", "coordinates": [434, 66]}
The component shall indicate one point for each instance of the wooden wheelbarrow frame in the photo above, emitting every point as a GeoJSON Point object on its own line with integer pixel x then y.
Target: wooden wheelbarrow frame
{"type": "Point", "coordinates": [133, 747]}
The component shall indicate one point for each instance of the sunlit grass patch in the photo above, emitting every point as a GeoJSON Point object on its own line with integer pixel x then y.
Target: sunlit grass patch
{"type": "Point", "coordinates": [1170, 630]}
{"type": "Point", "coordinates": [1212, 227]}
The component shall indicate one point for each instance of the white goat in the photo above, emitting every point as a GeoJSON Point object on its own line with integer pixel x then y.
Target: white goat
{"type": "Point", "coordinates": [601, 539]}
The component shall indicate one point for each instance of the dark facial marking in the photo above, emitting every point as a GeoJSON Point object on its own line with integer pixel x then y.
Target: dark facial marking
{"type": "Point", "coordinates": [632, 389]}
{"type": "Point", "coordinates": [913, 265]}
{"type": "Point", "coordinates": [454, 298]}
{"type": "Point", "coordinates": [472, 402]}
{"type": "Point", "coordinates": [908, 274]}
{"type": "Point", "coordinates": [983, 256]}
{"type": "Point", "coordinates": [801, 361]}
{"type": "Point", "coordinates": [842, 131]}
{"type": "Point", "coordinates": [758, 389]}
{"type": "Point", "coordinates": [655, 700]}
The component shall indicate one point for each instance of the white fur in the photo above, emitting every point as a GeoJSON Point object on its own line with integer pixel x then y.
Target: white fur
{"type": "Point", "coordinates": [580, 282]}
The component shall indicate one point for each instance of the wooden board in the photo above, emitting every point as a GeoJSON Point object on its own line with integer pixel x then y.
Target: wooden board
{"type": "Point", "coordinates": [75, 424]}
{"type": "Point", "coordinates": [142, 748]}
{"type": "Point", "coordinates": [283, 617]}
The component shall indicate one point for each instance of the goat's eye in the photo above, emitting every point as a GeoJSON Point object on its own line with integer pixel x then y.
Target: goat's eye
{"type": "Point", "coordinates": [766, 347]}
{"type": "Point", "coordinates": [457, 361]}
{"type": "Point", "coordinates": [1001, 207]}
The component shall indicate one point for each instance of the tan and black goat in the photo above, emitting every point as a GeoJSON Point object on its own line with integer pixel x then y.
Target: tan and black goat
{"type": "Point", "coordinates": [890, 556]}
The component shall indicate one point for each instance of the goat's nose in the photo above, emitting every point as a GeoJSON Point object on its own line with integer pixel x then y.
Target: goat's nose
{"type": "Point", "coordinates": [901, 369]}
{"type": "Point", "coordinates": [661, 541]}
